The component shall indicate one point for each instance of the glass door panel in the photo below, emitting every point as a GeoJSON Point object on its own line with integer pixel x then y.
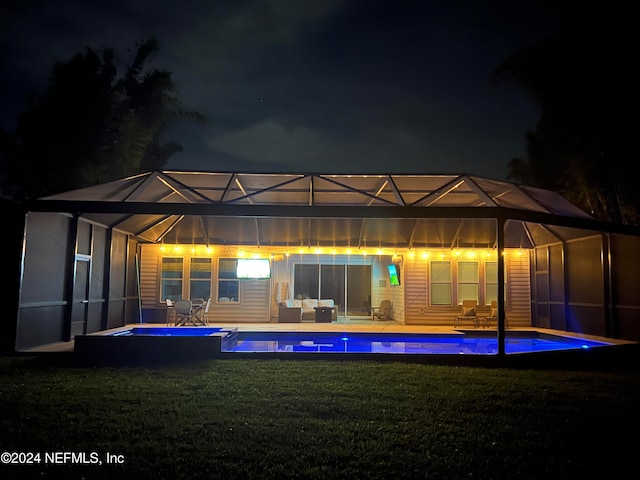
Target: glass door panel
{"type": "Point", "coordinates": [332, 284]}
{"type": "Point", "coordinates": [306, 281]}
{"type": "Point", "coordinates": [358, 290]}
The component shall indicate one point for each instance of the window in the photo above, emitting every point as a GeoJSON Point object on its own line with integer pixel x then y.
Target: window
{"type": "Point", "coordinates": [440, 280]}
{"type": "Point", "coordinates": [228, 284]}
{"type": "Point", "coordinates": [491, 282]}
{"type": "Point", "coordinates": [468, 280]}
{"type": "Point", "coordinates": [171, 279]}
{"type": "Point", "coordinates": [200, 278]}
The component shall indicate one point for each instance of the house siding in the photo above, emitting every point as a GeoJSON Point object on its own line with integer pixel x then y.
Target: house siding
{"type": "Point", "coordinates": [418, 310]}
{"type": "Point", "coordinates": [258, 299]}
{"type": "Point", "coordinates": [253, 294]}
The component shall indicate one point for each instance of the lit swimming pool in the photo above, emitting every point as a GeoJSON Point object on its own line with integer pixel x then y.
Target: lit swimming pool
{"type": "Point", "coordinates": [167, 332]}
{"type": "Point", "coordinates": [141, 344]}
{"type": "Point", "coordinates": [458, 344]}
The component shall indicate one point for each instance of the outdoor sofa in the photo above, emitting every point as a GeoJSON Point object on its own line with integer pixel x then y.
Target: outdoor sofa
{"type": "Point", "coordinates": [293, 311]}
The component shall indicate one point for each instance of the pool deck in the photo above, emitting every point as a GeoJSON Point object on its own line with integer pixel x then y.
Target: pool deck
{"type": "Point", "coordinates": [340, 326]}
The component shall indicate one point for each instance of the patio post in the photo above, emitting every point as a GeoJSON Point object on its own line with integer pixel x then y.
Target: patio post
{"type": "Point", "coordinates": [501, 314]}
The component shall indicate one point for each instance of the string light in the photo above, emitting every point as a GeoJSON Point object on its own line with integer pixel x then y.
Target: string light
{"type": "Point", "coordinates": [276, 253]}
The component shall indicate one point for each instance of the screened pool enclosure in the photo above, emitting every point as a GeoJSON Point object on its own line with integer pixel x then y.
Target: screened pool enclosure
{"type": "Point", "coordinates": [109, 255]}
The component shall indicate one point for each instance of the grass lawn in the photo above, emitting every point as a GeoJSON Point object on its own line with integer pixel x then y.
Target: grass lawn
{"type": "Point", "coordinates": [320, 419]}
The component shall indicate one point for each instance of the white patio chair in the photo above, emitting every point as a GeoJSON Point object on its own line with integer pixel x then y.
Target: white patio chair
{"type": "Point", "coordinates": [170, 310]}
{"type": "Point", "coordinates": [202, 312]}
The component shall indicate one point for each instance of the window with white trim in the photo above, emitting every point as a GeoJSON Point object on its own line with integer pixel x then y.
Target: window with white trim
{"type": "Point", "coordinates": [228, 283]}
{"type": "Point", "coordinates": [491, 282]}
{"type": "Point", "coordinates": [468, 281]}
{"type": "Point", "coordinates": [200, 278]}
{"type": "Point", "coordinates": [440, 282]}
{"type": "Point", "coordinates": [171, 277]}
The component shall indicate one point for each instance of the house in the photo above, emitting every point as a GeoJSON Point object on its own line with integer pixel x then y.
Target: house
{"type": "Point", "coordinates": [109, 255]}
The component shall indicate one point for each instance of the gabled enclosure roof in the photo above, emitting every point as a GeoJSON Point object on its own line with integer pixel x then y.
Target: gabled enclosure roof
{"type": "Point", "coordinates": [289, 209]}
{"type": "Point", "coordinates": [324, 190]}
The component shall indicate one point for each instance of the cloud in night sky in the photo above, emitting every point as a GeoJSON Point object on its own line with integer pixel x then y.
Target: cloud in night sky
{"type": "Point", "coordinates": [333, 86]}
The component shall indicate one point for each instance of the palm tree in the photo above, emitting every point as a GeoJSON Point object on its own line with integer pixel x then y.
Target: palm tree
{"type": "Point", "coordinates": [92, 126]}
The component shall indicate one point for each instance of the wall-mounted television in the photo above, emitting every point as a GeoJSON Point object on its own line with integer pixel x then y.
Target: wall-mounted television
{"type": "Point", "coordinates": [253, 269]}
{"type": "Point", "coordinates": [394, 275]}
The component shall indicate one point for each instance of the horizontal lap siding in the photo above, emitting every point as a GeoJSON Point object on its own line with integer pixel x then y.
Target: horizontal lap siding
{"type": "Point", "coordinates": [149, 276]}
{"type": "Point", "coordinates": [254, 295]}
{"type": "Point", "coordinates": [518, 310]}
{"type": "Point", "coordinates": [410, 301]}
{"type": "Point", "coordinates": [416, 287]}
{"type": "Point", "coordinates": [253, 306]}
{"type": "Point", "coordinates": [416, 294]}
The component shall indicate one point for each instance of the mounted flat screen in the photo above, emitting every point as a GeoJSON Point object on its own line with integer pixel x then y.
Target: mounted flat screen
{"type": "Point", "coordinates": [394, 275]}
{"type": "Point", "coordinates": [253, 269]}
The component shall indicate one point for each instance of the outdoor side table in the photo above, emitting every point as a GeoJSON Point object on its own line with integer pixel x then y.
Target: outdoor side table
{"type": "Point", "coordinates": [323, 314]}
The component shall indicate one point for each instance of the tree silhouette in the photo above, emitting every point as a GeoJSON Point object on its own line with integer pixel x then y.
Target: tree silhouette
{"type": "Point", "coordinates": [92, 125]}
{"type": "Point", "coordinates": [584, 85]}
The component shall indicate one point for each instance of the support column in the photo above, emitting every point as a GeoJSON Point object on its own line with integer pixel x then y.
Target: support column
{"type": "Point", "coordinates": [501, 313]}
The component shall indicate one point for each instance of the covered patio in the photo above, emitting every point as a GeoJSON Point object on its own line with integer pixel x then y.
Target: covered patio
{"type": "Point", "coordinates": [107, 256]}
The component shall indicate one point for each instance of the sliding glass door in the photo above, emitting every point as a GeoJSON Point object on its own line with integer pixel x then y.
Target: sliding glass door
{"type": "Point", "coordinates": [338, 282]}
{"type": "Point", "coordinates": [358, 290]}
{"type": "Point", "coordinates": [306, 281]}
{"type": "Point", "coordinates": [332, 284]}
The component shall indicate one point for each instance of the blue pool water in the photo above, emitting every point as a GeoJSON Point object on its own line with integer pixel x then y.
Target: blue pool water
{"type": "Point", "coordinates": [326, 342]}
{"type": "Point", "coordinates": [167, 332]}
{"type": "Point", "coordinates": [234, 341]}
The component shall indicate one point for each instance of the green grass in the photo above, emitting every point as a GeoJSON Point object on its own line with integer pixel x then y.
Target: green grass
{"type": "Point", "coordinates": [276, 419]}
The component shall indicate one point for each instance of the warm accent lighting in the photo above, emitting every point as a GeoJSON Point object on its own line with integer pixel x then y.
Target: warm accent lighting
{"type": "Point", "coordinates": [279, 254]}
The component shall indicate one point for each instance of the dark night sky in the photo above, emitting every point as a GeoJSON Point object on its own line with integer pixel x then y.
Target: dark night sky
{"type": "Point", "coordinates": [326, 86]}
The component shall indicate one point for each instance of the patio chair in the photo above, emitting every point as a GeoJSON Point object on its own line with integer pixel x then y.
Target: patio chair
{"type": "Point", "coordinates": [493, 315]}
{"type": "Point", "coordinates": [184, 313]}
{"type": "Point", "coordinates": [468, 312]}
{"type": "Point", "coordinates": [383, 311]}
{"type": "Point", "coordinates": [202, 312]}
{"type": "Point", "coordinates": [169, 310]}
